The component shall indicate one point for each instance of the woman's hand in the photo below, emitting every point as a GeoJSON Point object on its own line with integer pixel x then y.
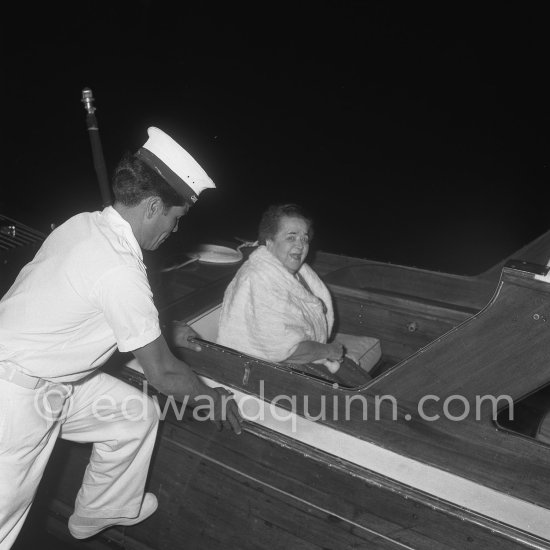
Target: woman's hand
{"type": "Point", "coordinates": [335, 352]}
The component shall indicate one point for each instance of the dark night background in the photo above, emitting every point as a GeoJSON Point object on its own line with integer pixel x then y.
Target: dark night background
{"type": "Point", "coordinates": [415, 133]}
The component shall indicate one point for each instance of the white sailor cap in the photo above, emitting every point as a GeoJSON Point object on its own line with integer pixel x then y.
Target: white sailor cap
{"type": "Point", "coordinates": [174, 164]}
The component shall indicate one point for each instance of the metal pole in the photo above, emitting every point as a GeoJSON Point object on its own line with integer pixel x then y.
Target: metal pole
{"type": "Point", "coordinates": [97, 150]}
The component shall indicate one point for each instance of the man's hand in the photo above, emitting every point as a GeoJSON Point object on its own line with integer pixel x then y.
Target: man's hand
{"type": "Point", "coordinates": [225, 411]}
{"type": "Point", "coordinates": [171, 376]}
{"type": "Point", "coordinates": [180, 333]}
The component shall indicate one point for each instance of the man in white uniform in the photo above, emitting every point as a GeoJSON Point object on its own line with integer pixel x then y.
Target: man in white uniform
{"type": "Point", "coordinates": [84, 295]}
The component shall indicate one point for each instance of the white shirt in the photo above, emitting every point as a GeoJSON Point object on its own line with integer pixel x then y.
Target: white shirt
{"type": "Point", "coordinates": [84, 294]}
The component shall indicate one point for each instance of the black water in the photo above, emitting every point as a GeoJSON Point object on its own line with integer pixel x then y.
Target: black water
{"type": "Point", "coordinates": [414, 135]}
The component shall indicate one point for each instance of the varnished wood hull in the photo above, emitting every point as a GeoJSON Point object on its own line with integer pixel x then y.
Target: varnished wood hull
{"type": "Point", "coordinates": [325, 484]}
{"type": "Point", "coordinates": [256, 492]}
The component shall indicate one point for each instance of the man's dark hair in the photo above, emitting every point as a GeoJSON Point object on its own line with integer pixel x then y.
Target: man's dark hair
{"type": "Point", "coordinates": [269, 224]}
{"type": "Point", "coordinates": [133, 181]}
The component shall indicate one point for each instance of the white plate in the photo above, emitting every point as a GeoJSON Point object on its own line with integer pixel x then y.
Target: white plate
{"type": "Point", "coordinates": [216, 254]}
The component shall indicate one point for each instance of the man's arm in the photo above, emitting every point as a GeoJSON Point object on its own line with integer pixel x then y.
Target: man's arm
{"type": "Point", "coordinates": [171, 376]}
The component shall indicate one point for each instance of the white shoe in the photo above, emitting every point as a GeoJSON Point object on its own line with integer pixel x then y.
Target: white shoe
{"type": "Point", "coordinates": [82, 527]}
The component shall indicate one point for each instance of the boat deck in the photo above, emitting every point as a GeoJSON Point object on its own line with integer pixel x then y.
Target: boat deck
{"type": "Point", "coordinates": [217, 490]}
{"type": "Point", "coordinates": [198, 470]}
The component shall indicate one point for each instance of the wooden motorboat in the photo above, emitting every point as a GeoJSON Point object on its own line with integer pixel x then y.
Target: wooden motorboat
{"type": "Point", "coordinates": [423, 456]}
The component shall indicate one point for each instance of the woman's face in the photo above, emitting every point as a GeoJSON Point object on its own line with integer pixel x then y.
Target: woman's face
{"type": "Point", "coordinates": [291, 243]}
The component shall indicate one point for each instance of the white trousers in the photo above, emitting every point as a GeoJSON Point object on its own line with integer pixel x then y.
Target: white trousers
{"type": "Point", "coordinates": [118, 419]}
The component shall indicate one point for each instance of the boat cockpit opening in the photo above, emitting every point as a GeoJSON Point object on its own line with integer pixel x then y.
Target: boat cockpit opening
{"type": "Point", "coordinates": [206, 326]}
{"type": "Point", "coordinates": [529, 416]}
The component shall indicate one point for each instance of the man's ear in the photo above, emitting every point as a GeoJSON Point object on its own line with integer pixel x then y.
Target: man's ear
{"type": "Point", "coordinates": [153, 206]}
{"type": "Point", "coordinates": [269, 244]}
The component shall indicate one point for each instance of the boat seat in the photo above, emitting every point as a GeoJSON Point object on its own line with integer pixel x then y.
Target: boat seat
{"type": "Point", "coordinates": [206, 324]}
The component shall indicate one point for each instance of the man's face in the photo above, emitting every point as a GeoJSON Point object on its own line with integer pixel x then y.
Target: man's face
{"type": "Point", "coordinates": [161, 223]}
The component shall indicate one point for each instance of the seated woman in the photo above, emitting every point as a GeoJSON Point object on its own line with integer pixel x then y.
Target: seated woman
{"type": "Point", "coordinates": [278, 309]}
